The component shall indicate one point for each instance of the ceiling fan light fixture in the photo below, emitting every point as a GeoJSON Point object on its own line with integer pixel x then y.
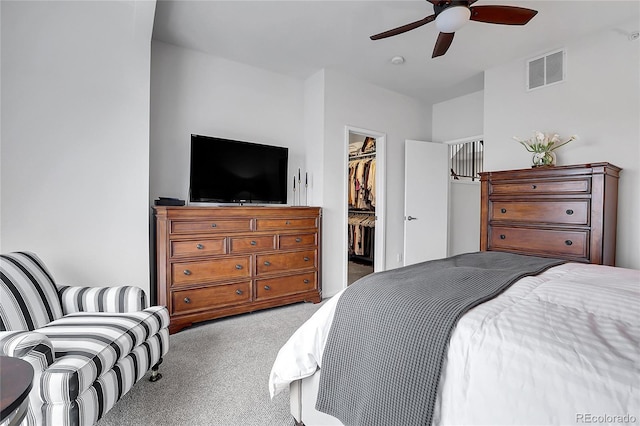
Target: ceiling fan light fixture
{"type": "Point", "coordinates": [452, 19]}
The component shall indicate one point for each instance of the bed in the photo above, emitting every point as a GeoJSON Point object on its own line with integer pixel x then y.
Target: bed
{"type": "Point", "coordinates": [556, 342]}
{"type": "Point", "coordinates": [560, 347]}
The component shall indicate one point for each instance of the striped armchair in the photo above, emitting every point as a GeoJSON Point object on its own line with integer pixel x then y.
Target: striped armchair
{"type": "Point", "coordinates": [88, 346]}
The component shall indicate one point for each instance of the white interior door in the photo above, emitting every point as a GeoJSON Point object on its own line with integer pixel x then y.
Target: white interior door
{"type": "Point", "coordinates": [426, 190]}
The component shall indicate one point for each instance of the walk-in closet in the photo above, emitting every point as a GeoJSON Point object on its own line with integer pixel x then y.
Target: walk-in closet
{"type": "Point", "coordinates": [362, 206]}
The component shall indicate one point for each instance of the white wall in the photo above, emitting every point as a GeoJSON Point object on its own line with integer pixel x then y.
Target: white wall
{"type": "Point", "coordinates": [192, 92]}
{"type": "Point", "coordinates": [459, 118]}
{"type": "Point", "coordinates": [314, 109]}
{"type": "Point", "coordinates": [355, 103]}
{"type": "Point", "coordinates": [455, 119]}
{"type": "Point", "coordinates": [75, 137]}
{"type": "Point", "coordinates": [600, 101]}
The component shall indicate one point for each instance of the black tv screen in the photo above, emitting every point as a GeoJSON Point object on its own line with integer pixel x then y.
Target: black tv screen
{"type": "Point", "coordinates": [230, 171]}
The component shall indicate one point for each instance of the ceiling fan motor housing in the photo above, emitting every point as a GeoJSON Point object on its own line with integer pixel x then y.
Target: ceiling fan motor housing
{"type": "Point", "coordinates": [440, 7]}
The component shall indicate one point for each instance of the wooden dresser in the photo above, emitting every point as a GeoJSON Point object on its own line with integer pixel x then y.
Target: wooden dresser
{"type": "Point", "coordinates": [566, 212]}
{"type": "Point", "coordinates": [218, 261]}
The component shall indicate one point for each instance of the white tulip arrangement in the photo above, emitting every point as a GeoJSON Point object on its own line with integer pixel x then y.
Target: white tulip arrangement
{"type": "Point", "coordinates": [542, 145]}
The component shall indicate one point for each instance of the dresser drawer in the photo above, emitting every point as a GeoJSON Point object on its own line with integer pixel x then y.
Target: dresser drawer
{"type": "Point", "coordinates": [183, 273]}
{"type": "Point", "coordinates": [278, 262]}
{"type": "Point", "coordinates": [251, 244]}
{"type": "Point", "coordinates": [210, 297]}
{"type": "Point", "coordinates": [204, 247]}
{"type": "Point", "coordinates": [541, 186]}
{"type": "Point", "coordinates": [543, 241]}
{"type": "Point", "coordinates": [299, 240]}
{"type": "Point", "coordinates": [210, 226]}
{"type": "Point", "coordinates": [284, 224]}
{"type": "Point", "coordinates": [561, 212]}
{"type": "Point", "coordinates": [276, 287]}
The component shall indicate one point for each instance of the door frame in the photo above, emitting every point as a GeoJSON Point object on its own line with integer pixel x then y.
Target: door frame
{"type": "Point", "coordinates": [381, 198]}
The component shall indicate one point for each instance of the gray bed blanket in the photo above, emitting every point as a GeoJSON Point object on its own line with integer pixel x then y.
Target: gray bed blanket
{"type": "Point", "coordinates": [384, 352]}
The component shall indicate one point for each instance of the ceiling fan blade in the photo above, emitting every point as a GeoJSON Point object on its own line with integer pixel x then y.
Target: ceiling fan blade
{"type": "Point", "coordinates": [442, 44]}
{"type": "Point", "coordinates": [506, 15]}
{"type": "Point", "coordinates": [404, 28]}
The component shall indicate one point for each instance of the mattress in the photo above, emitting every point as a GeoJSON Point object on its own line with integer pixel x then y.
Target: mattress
{"type": "Point", "coordinates": [562, 347]}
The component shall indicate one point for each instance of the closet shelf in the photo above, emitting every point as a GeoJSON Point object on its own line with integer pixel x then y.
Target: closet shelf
{"type": "Point", "coordinates": [367, 155]}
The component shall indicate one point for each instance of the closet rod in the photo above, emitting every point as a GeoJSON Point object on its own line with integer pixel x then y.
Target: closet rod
{"type": "Point", "coordinates": [355, 157]}
{"type": "Point", "coordinates": [361, 212]}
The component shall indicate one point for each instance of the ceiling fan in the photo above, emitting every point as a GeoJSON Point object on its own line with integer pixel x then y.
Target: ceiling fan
{"type": "Point", "coordinates": [451, 15]}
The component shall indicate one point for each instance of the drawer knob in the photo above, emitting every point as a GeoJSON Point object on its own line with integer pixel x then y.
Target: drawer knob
{"type": "Point", "coordinates": [569, 212]}
{"type": "Point", "coordinates": [502, 236]}
{"type": "Point", "coordinates": [287, 223]}
{"type": "Point", "coordinates": [199, 246]}
{"type": "Point", "coordinates": [298, 240]}
{"type": "Point", "coordinates": [568, 242]}
{"type": "Point", "coordinates": [306, 259]}
{"type": "Point", "coordinates": [213, 225]}
{"type": "Point", "coordinates": [266, 287]}
{"type": "Point", "coordinates": [306, 281]}
{"type": "Point", "coordinates": [187, 300]}
{"type": "Point", "coordinates": [253, 243]}
{"type": "Point", "coordinates": [267, 263]}
{"type": "Point", "coordinates": [534, 186]}
{"type": "Point", "coordinates": [186, 272]}
{"type": "Point", "coordinates": [238, 266]}
{"type": "Point", "coordinates": [238, 291]}
{"type": "Point", "coordinates": [503, 210]}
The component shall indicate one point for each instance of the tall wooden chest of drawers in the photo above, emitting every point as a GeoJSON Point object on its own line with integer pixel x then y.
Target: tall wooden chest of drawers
{"type": "Point", "coordinates": [213, 262]}
{"type": "Point", "coordinates": [567, 212]}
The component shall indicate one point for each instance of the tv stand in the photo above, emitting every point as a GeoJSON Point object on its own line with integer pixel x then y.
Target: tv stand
{"type": "Point", "coordinates": [214, 262]}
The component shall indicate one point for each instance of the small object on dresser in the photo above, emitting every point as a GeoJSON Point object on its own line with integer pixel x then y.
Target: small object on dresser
{"type": "Point", "coordinates": [543, 145]}
{"type": "Point", "coordinates": [168, 201]}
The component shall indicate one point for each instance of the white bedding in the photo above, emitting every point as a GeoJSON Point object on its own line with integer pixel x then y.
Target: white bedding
{"type": "Point", "coordinates": [559, 348]}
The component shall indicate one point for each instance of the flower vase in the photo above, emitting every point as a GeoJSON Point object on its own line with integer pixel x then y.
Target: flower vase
{"type": "Point", "coordinates": [542, 159]}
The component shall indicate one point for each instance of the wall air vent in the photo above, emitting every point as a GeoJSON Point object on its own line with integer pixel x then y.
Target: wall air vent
{"type": "Point", "coordinates": [546, 70]}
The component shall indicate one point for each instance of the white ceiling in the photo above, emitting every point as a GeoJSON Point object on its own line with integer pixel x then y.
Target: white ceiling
{"type": "Point", "coordinates": [298, 38]}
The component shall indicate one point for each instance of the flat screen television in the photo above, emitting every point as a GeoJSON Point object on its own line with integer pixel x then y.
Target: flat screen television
{"type": "Point", "coordinates": [231, 171]}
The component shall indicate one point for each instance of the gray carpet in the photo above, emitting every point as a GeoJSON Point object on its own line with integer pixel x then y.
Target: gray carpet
{"type": "Point", "coordinates": [357, 271]}
{"type": "Point", "coordinates": [217, 373]}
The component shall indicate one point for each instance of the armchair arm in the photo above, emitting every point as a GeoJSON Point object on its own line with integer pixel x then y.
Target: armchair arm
{"type": "Point", "coordinates": [102, 299]}
{"type": "Point", "coordinates": [31, 346]}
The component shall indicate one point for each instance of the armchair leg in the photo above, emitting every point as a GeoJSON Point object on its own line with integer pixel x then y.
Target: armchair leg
{"type": "Point", "coordinates": [155, 376]}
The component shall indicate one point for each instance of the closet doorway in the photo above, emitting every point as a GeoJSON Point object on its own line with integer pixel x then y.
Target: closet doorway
{"type": "Point", "coordinates": [365, 203]}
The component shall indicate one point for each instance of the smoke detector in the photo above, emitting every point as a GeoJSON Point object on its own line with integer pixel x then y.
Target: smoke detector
{"type": "Point", "coordinates": [397, 60]}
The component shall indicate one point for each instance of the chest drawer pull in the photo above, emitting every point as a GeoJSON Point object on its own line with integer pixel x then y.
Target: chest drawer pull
{"type": "Point", "coordinates": [503, 210]}
{"type": "Point", "coordinates": [287, 223]}
{"type": "Point", "coordinates": [186, 272]}
{"type": "Point", "coordinates": [534, 186]}
{"type": "Point", "coordinates": [502, 236]}
{"type": "Point", "coordinates": [306, 259]}
{"type": "Point", "coordinates": [568, 242]}
{"type": "Point", "coordinates": [238, 266]}
{"type": "Point", "coordinates": [298, 240]}
{"type": "Point", "coordinates": [267, 263]}
{"type": "Point", "coordinates": [266, 287]}
{"type": "Point", "coordinates": [253, 243]}
{"type": "Point", "coordinates": [238, 291]}
{"type": "Point", "coordinates": [306, 281]}
{"type": "Point", "coordinates": [199, 246]}
{"type": "Point", "coordinates": [213, 225]}
{"type": "Point", "coordinates": [187, 300]}
{"type": "Point", "coordinates": [569, 212]}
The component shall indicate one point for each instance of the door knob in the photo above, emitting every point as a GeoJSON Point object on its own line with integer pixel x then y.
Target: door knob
{"type": "Point", "coordinates": [411, 218]}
